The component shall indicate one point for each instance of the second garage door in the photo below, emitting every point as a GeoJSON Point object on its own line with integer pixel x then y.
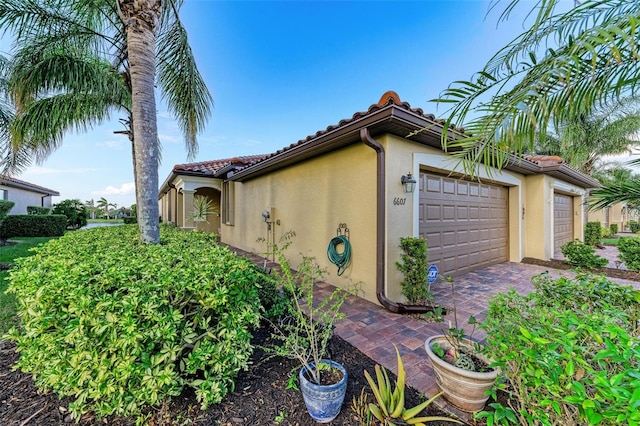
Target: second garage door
{"type": "Point", "coordinates": [562, 221]}
{"type": "Point", "coordinates": [465, 223]}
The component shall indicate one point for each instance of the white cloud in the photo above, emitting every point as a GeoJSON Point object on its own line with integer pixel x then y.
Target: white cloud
{"type": "Point", "coordinates": [125, 189]}
{"type": "Point", "coordinates": [112, 144]}
{"type": "Point", "coordinates": [169, 138]}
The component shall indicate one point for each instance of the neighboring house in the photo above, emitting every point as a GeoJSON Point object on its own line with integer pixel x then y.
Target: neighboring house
{"type": "Point", "coordinates": [618, 213]}
{"type": "Point", "coordinates": [24, 194]}
{"type": "Point", "coordinates": [350, 175]}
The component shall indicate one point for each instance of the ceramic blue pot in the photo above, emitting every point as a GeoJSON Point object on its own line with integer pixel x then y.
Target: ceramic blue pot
{"type": "Point", "coordinates": [324, 402]}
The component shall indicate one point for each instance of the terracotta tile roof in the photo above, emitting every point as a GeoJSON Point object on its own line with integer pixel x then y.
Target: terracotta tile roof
{"type": "Point", "coordinates": [388, 98]}
{"type": "Point", "coordinates": [211, 167]}
{"type": "Point", "coordinates": [544, 160]}
{"type": "Point", "coordinates": [17, 183]}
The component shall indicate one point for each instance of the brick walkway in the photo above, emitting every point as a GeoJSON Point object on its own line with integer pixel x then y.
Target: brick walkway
{"type": "Point", "coordinates": [374, 330]}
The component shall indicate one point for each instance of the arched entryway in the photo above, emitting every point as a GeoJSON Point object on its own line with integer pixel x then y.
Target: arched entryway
{"type": "Point", "coordinates": [212, 223]}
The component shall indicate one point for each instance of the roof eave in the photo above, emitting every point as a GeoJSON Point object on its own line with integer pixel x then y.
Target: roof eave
{"type": "Point", "coordinates": [32, 188]}
{"type": "Point", "coordinates": [378, 122]}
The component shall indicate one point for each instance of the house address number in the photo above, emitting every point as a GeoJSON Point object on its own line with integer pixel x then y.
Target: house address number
{"type": "Point", "coordinates": [399, 201]}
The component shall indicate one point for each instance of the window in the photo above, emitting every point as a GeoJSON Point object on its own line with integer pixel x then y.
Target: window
{"type": "Point", "coordinates": [228, 201]}
{"type": "Point", "coordinates": [4, 194]}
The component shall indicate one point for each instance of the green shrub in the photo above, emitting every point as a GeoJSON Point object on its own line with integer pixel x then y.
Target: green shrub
{"type": "Point", "coordinates": [75, 211]}
{"type": "Point", "coordinates": [413, 264]}
{"type": "Point", "coordinates": [634, 226]}
{"type": "Point", "coordinates": [592, 232]}
{"type": "Point", "coordinates": [629, 249]}
{"type": "Point", "coordinates": [582, 255]}
{"type": "Point", "coordinates": [569, 351]}
{"type": "Point", "coordinates": [275, 303]}
{"type": "Point", "coordinates": [614, 228]}
{"type": "Point", "coordinates": [32, 225]}
{"type": "Point", "coordinates": [605, 232]}
{"type": "Point", "coordinates": [118, 324]}
{"type": "Point", "coordinates": [38, 210]}
{"type": "Point", "coordinates": [128, 220]}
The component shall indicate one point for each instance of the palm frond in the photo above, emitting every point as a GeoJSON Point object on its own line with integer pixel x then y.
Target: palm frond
{"type": "Point", "coordinates": [181, 84]}
{"type": "Point", "coordinates": [596, 65]}
{"type": "Point", "coordinates": [610, 194]}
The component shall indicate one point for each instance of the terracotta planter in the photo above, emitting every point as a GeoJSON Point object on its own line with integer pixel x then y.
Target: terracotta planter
{"type": "Point", "coordinates": [464, 389]}
{"type": "Point", "coordinates": [324, 402]}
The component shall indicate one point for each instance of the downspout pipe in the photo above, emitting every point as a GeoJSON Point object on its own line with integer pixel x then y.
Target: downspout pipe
{"type": "Point", "coordinates": [381, 243]}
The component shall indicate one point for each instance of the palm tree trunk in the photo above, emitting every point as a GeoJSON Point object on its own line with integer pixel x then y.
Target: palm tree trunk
{"type": "Point", "coordinates": [141, 18]}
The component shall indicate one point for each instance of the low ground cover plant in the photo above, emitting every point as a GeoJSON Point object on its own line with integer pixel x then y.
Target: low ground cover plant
{"type": "Point", "coordinates": [117, 324]}
{"type": "Point", "coordinates": [582, 255]}
{"type": "Point", "coordinates": [570, 352]}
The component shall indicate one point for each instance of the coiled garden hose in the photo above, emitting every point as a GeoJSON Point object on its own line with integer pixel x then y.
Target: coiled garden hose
{"type": "Point", "coordinates": [340, 259]}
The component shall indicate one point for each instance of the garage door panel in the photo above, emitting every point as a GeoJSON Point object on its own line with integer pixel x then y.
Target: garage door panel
{"type": "Point", "coordinates": [467, 224]}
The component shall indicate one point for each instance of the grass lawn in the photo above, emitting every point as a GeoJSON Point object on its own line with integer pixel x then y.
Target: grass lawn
{"type": "Point", "coordinates": [7, 255]}
{"type": "Point", "coordinates": [610, 241]}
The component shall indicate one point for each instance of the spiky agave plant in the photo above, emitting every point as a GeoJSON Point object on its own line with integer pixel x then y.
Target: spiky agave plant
{"type": "Point", "coordinates": [390, 406]}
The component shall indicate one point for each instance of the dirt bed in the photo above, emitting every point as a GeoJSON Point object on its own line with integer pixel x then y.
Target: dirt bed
{"type": "Point", "coordinates": [260, 397]}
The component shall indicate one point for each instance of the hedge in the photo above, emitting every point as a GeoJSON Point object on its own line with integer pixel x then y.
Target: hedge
{"type": "Point", "coordinates": [117, 324]}
{"type": "Point", "coordinates": [33, 225]}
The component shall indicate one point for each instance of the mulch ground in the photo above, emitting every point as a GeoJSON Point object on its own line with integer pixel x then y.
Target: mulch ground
{"type": "Point", "coordinates": [260, 397]}
{"type": "Point", "coordinates": [609, 272]}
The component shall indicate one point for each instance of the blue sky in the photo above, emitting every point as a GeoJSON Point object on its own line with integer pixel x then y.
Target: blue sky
{"type": "Point", "coordinates": [282, 70]}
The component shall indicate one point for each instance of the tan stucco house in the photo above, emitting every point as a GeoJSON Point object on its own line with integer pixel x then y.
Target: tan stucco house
{"type": "Point", "coordinates": [24, 194]}
{"type": "Point", "coordinates": [349, 175]}
{"type": "Point", "coordinates": [618, 214]}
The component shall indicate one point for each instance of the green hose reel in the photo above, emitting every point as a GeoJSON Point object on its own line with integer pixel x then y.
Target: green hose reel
{"type": "Point", "coordinates": [341, 259]}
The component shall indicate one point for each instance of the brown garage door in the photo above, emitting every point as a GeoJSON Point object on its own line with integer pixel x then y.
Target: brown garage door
{"type": "Point", "coordinates": [465, 223]}
{"type": "Point", "coordinates": [562, 221]}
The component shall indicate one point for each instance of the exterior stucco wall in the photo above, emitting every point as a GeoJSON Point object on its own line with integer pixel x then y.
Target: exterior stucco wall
{"type": "Point", "coordinates": [539, 216]}
{"type": "Point", "coordinates": [618, 214]}
{"type": "Point", "coordinates": [312, 199]}
{"type": "Point", "coordinates": [23, 198]}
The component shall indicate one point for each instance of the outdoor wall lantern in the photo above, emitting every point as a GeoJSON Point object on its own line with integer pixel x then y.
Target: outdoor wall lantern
{"type": "Point", "coordinates": [408, 183]}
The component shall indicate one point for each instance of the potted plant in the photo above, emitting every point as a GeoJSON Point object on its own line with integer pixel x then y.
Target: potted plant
{"type": "Point", "coordinates": [201, 209]}
{"type": "Point", "coordinates": [463, 372]}
{"type": "Point", "coordinates": [305, 332]}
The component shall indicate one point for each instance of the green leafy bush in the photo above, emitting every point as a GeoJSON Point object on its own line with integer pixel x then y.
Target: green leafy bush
{"type": "Point", "coordinates": [605, 232]}
{"type": "Point", "coordinates": [592, 232]}
{"type": "Point", "coordinates": [569, 351]}
{"type": "Point", "coordinates": [32, 225]}
{"type": "Point", "coordinates": [629, 249]}
{"type": "Point", "coordinates": [614, 228]}
{"type": "Point", "coordinates": [118, 324]}
{"type": "Point", "coordinates": [582, 255]}
{"type": "Point", "coordinates": [128, 220]}
{"type": "Point", "coordinates": [634, 226]}
{"type": "Point", "coordinates": [38, 210]}
{"type": "Point", "coordinates": [75, 211]}
{"type": "Point", "coordinates": [413, 264]}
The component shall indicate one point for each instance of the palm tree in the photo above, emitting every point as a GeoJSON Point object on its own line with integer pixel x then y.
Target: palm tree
{"type": "Point", "coordinates": [104, 205]}
{"type": "Point", "coordinates": [583, 141]}
{"type": "Point", "coordinates": [91, 206]}
{"type": "Point", "coordinates": [76, 61]}
{"type": "Point", "coordinates": [528, 86]}
{"type": "Point", "coordinates": [622, 187]}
